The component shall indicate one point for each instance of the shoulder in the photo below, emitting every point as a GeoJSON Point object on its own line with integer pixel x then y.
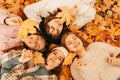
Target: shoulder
{"type": "Point", "coordinates": [98, 45]}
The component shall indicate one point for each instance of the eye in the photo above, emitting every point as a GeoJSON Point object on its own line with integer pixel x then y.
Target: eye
{"type": "Point", "coordinates": [55, 52]}
{"type": "Point", "coordinates": [74, 37]}
{"type": "Point", "coordinates": [60, 58]}
{"type": "Point", "coordinates": [69, 42]}
{"type": "Point", "coordinates": [52, 27]}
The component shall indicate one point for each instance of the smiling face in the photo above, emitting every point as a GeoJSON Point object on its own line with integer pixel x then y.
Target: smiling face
{"type": "Point", "coordinates": [73, 43]}
{"type": "Point", "coordinates": [55, 27]}
{"type": "Point", "coordinates": [55, 58]}
{"type": "Point", "coordinates": [35, 42]}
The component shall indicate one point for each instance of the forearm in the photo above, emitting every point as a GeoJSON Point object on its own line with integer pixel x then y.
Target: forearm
{"type": "Point", "coordinates": [11, 43]}
{"type": "Point", "coordinates": [9, 31]}
{"type": "Point", "coordinates": [8, 65]}
{"type": "Point", "coordinates": [33, 11]}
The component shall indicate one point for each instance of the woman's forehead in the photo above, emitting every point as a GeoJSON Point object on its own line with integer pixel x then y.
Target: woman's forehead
{"type": "Point", "coordinates": [59, 52]}
{"type": "Point", "coordinates": [70, 36]}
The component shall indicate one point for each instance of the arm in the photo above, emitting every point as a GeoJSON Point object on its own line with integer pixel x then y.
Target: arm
{"type": "Point", "coordinates": [36, 10]}
{"type": "Point", "coordinates": [8, 65]}
{"type": "Point", "coordinates": [9, 43]}
{"type": "Point", "coordinates": [112, 51]}
{"type": "Point", "coordinates": [81, 71]}
{"type": "Point", "coordinates": [3, 14]}
{"type": "Point", "coordinates": [9, 18]}
{"type": "Point", "coordinates": [10, 31]}
{"type": "Point", "coordinates": [86, 13]}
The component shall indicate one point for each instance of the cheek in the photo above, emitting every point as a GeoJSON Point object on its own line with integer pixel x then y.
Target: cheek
{"type": "Point", "coordinates": [70, 48]}
{"type": "Point", "coordinates": [31, 45]}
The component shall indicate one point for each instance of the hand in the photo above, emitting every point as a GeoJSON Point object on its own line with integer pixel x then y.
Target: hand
{"type": "Point", "coordinates": [74, 11]}
{"type": "Point", "coordinates": [13, 21]}
{"type": "Point", "coordinates": [78, 63]}
{"type": "Point", "coordinates": [26, 56]}
{"type": "Point", "coordinates": [113, 61]}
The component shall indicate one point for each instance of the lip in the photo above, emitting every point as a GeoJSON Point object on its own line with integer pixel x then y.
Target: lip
{"type": "Point", "coordinates": [52, 60]}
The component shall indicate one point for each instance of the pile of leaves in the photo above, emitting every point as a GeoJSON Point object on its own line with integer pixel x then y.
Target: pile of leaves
{"type": "Point", "coordinates": [16, 6]}
{"type": "Point", "coordinates": [106, 25]}
{"type": "Point", "coordinates": [104, 28]}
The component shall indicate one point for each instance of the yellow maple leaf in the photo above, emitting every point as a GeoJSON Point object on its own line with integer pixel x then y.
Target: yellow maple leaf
{"type": "Point", "coordinates": [69, 58]}
{"type": "Point", "coordinates": [37, 58]}
{"type": "Point", "coordinates": [27, 27]}
{"type": "Point", "coordinates": [117, 32]}
{"type": "Point", "coordinates": [74, 28]}
{"type": "Point", "coordinates": [65, 16]}
{"type": "Point", "coordinates": [90, 40]}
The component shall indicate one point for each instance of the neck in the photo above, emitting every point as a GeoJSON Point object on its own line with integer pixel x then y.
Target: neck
{"type": "Point", "coordinates": [81, 52]}
{"type": "Point", "coordinates": [48, 67]}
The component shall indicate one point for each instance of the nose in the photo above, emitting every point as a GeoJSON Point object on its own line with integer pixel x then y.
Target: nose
{"type": "Point", "coordinates": [34, 41]}
{"type": "Point", "coordinates": [55, 57]}
{"type": "Point", "coordinates": [74, 42]}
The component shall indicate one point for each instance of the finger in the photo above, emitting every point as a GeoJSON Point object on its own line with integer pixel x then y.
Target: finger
{"type": "Point", "coordinates": [109, 60]}
{"type": "Point", "coordinates": [80, 65]}
{"type": "Point", "coordinates": [76, 59]}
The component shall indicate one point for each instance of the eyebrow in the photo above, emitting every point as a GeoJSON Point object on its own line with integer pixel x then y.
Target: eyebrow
{"type": "Point", "coordinates": [61, 57]}
{"type": "Point", "coordinates": [55, 51]}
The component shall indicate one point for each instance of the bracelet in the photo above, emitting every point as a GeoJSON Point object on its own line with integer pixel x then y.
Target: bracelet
{"type": "Point", "coordinates": [5, 20]}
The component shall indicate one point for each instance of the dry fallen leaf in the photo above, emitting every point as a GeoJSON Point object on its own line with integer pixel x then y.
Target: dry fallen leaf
{"type": "Point", "coordinates": [65, 16]}
{"type": "Point", "coordinates": [74, 28]}
{"type": "Point", "coordinates": [27, 27]}
{"type": "Point", "coordinates": [69, 58]}
{"type": "Point", "coordinates": [65, 73]}
{"type": "Point", "coordinates": [37, 58]}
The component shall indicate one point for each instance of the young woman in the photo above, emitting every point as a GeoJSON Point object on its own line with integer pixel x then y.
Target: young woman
{"type": "Point", "coordinates": [86, 12]}
{"type": "Point", "coordinates": [54, 59]}
{"type": "Point", "coordinates": [35, 42]}
{"type": "Point", "coordinates": [98, 61]}
{"type": "Point", "coordinates": [9, 27]}
{"type": "Point", "coordinates": [51, 27]}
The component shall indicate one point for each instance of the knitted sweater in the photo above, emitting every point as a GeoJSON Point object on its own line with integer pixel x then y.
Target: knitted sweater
{"type": "Point", "coordinates": [8, 38]}
{"type": "Point", "coordinates": [97, 67]}
{"type": "Point", "coordinates": [40, 9]}
{"type": "Point", "coordinates": [8, 34]}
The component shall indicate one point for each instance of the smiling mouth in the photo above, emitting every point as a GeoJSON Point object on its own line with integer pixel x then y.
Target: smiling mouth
{"type": "Point", "coordinates": [52, 60]}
